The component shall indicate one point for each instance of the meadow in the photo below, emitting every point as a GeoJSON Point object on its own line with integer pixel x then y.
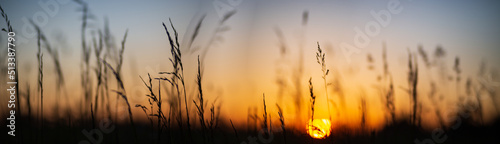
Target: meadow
{"type": "Point", "coordinates": [178, 109]}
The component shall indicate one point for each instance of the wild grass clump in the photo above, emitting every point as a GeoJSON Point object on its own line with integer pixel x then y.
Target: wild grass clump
{"type": "Point", "coordinates": [412, 84]}
{"type": "Point", "coordinates": [53, 53]}
{"type": "Point", "coordinates": [177, 75]}
{"type": "Point", "coordinates": [86, 83]}
{"type": "Point", "coordinates": [320, 58]}
{"type": "Point", "coordinates": [213, 123]}
{"type": "Point", "coordinates": [121, 89]}
{"type": "Point", "coordinates": [429, 63]}
{"type": "Point", "coordinates": [122, 93]}
{"type": "Point", "coordinates": [153, 98]}
{"type": "Point", "coordinates": [200, 106]}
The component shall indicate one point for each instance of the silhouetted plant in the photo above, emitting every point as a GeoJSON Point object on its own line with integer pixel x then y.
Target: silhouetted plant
{"type": "Point", "coordinates": [282, 120]}
{"type": "Point", "coordinates": [320, 58]}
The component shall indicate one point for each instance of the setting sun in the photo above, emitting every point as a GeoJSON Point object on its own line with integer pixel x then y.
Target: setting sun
{"type": "Point", "coordinates": [319, 128]}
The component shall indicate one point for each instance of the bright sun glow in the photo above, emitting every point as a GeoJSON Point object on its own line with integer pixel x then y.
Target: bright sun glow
{"type": "Point", "coordinates": [319, 128]}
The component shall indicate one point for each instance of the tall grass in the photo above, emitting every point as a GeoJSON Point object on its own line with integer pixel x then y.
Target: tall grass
{"type": "Point", "coordinates": [234, 129]}
{"type": "Point", "coordinates": [153, 98]}
{"type": "Point", "coordinates": [107, 38]}
{"type": "Point", "coordinates": [53, 53]}
{"type": "Point", "coordinates": [429, 63]}
{"type": "Point", "coordinates": [282, 121]}
{"type": "Point", "coordinates": [208, 123]}
{"type": "Point", "coordinates": [265, 124]}
{"type": "Point", "coordinates": [320, 58]}
{"type": "Point", "coordinates": [214, 121]}
{"type": "Point", "coordinates": [86, 51]}
{"type": "Point", "coordinates": [488, 83]}
{"type": "Point", "coordinates": [123, 94]}
{"type": "Point", "coordinates": [177, 73]}
{"type": "Point", "coordinates": [40, 81]}
{"type": "Point", "coordinates": [312, 101]}
{"type": "Point", "coordinates": [121, 89]}
{"type": "Point", "coordinates": [412, 84]}
{"type": "Point", "coordinates": [98, 49]}
{"type": "Point", "coordinates": [363, 112]}
{"type": "Point", "coordinates": [200, 106]}
{"type": "Point", "coordinates": [388, 92]}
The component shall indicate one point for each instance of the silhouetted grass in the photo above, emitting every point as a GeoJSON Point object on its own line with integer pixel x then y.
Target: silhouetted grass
{"type": "Point", "coordinates": [98, 49]}
{"type": "Point", "coordinates": [412, 84]}
{"type": "Point", "coordinates": [200, 106]}
{"type": "Point", "coordinates": [177, 75]}
{"type": "Point", "coordinates": [234, 129]}
{"type": "Point", "coordinates": [122, 93]}
{"type": "Point", "coordinates": [388, 93]}
{"type": "Point", "coordinates": [7, 21]}
{"type": "Point", "coordinates": [53, 53]}
{"type": "Point", "coordinates": [209, 125]}
{"type": "Point", "coordinates": [86, 53]}
{"type": "Point", "coordinates": [265, 124]}
{"type": "Point", "coordinates": [320, 58]}
{"type": "Point", "coordinates": [312, 101]}
{"type": "Point", "coordinates": [282, 120]}
{"type": "Point", "coordinates": [363, 112]}
{"type": "Point", "coordinates": [40, 81]}
{"type": "Point", "coordinates": [163, 121]}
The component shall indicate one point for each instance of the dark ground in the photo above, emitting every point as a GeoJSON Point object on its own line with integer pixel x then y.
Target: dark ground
{"type": "Point", "coordinates": [401, 132]}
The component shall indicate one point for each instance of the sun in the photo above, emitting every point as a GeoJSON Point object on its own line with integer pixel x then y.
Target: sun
{"type": "Point", "coordinates": [319, 128]}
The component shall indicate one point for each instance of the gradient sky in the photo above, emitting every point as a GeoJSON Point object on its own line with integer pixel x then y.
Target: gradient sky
{"type": "Point", "coordinates": [242, 66]}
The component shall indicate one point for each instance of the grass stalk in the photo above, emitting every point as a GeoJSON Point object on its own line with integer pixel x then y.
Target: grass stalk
{"type": "Point", "coordinates": [312, 101]}
{"type": "Point", "coordinates": [98, 48]}
{"type": "Point", "coordinates": [87, 90]}
{"type": "Point", "coordinates": [200, 106]}
{"type": "Point", "coordinates": [123, 95]}
{"type": "Point", "coordinates": [178, 74]}
{"type": "Point", "coordinates": [320, 58]}
{"type": "Point", "coordinates": [388, 93]}
{"type": "Point", "coordinates": [412, 82]}
{"type": "Point", "coordinates": [234, 129]}
{"type": "Point", "coordinates": [40, 81]}
{"type": "Point", "coordinates": [264, 116]}
{"type": "Point", "coordinates": [282, 120]}
{"type": "Point", "coordinates": [313, 98]}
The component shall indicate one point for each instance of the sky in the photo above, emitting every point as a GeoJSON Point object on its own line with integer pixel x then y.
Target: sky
{"type": "Point", "coordinates": [244, 62]}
